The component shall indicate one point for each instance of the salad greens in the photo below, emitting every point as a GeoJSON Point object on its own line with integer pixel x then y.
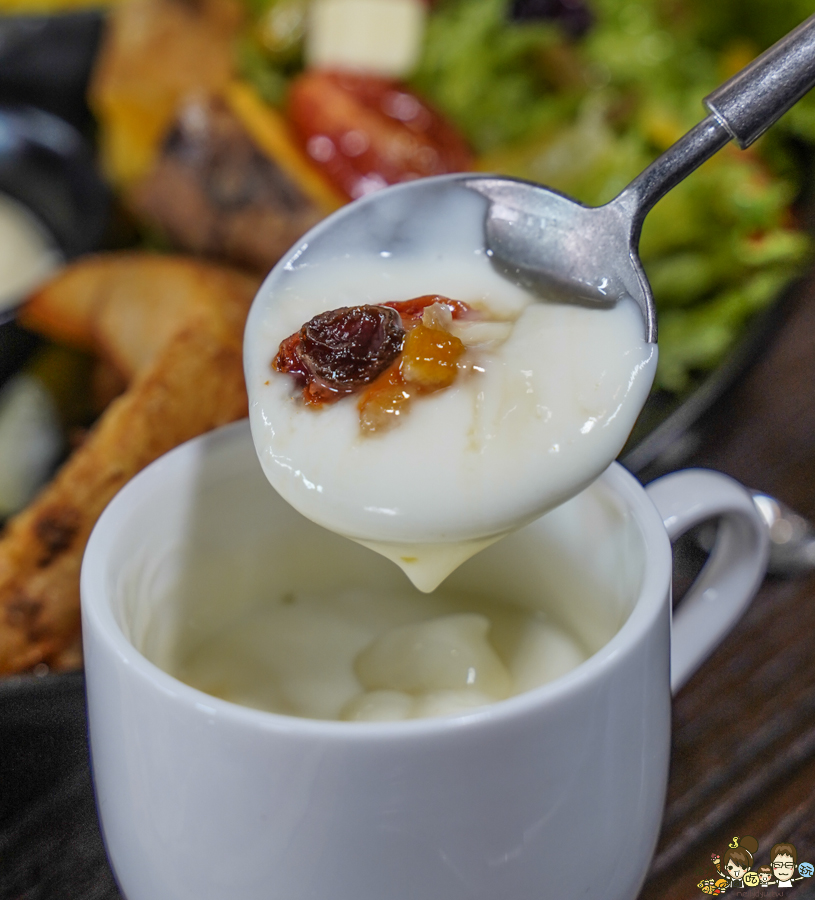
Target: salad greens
{"type": "Point", "coordinates": [585, 115]}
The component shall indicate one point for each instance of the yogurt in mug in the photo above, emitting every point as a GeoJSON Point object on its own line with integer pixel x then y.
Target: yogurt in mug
{"type": "Point", "coordinates": [362, 654]}
{"type": "Point", "coordinates": [261, 607]}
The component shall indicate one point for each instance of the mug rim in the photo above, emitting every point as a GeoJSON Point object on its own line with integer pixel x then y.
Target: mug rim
{"type": "Point", "coordinates": [98, 617]}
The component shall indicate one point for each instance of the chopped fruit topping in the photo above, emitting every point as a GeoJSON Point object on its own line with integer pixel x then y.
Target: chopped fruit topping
{"type": "Point", "coordinates": [413, 310]}
{"type": "Point", "coordinates": [481, 334]}
{"type": "Point", "coordinates": [394, 351]}
{"type": "Point", "coordinates": [438, 315]}
{"type": "Point", "coordinates": [339, 351]}
{"type": "Point", "coordinates": [385, 400]}
{"type": "Point", "coordinates": [429, 363]}
{"type": "Point", "coordinates": [429, 358]}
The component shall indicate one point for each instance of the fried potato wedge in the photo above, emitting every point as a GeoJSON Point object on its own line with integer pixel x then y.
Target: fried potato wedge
{"type": "Point", "coordinates": [64, 309]}
{"type": "Point", "coordinates": [192, 382]}
{"type": "Point", "coordinates": [125, 306]}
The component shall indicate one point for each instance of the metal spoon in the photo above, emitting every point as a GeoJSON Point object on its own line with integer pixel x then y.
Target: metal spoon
{"type": "Point", "coordinates": [589, 254]}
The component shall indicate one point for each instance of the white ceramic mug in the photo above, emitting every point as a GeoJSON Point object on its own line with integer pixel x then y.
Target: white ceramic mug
{"type": "Point", "coordinates": [557, 792]}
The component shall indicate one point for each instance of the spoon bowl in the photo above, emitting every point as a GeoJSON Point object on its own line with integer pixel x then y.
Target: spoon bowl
{"type": "Point", "coordinates": [545, 240]}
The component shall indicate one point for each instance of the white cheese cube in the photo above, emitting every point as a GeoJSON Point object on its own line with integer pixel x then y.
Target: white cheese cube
{"type": "Point", "coordinates": [381, 37]}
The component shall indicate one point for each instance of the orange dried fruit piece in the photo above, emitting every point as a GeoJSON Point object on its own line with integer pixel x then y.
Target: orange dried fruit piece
{"type": "Point", "coordinates": [384, 401]}
{"type": "Point", "coordinates": [429, 363]}
{"type": "Point", "coordinates": [430, 358]}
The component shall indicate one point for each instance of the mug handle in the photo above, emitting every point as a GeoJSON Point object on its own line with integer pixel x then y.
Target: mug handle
{"type": "Point", "coordinates": [732, 574]}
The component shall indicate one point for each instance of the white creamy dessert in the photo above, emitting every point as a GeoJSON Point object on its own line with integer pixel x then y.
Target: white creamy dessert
{"type": "Point", "coordinates": [367, 655]}
{"type": "Point", "coordinates": [531, 420]}
{"type": "Point", "coordinates": [245, 599]}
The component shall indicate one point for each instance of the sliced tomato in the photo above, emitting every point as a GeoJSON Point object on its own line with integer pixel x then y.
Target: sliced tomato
{"type": "Point", "coordinates": [366, 132]}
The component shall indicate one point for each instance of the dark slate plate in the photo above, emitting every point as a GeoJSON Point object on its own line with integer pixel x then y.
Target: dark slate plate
{"type": "Point", "coordinates": [50, 845]}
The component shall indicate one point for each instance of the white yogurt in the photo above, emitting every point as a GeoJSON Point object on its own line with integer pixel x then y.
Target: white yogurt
{"type": "Point", "coordinates": [540, 418]}
{"type": "Point", "coordinates": [28, 254]}
{"type": "Point", "coordinates": [368, 655]}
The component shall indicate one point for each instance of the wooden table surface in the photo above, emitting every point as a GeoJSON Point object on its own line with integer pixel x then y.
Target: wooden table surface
{"type": "Point", "coordinates": [743, 758]}
{"type": "Point", "coordinates": [744, 727]}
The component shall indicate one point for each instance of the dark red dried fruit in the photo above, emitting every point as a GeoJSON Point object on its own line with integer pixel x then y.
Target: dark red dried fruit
{"type": "Point", "coordinates": [341, 350]}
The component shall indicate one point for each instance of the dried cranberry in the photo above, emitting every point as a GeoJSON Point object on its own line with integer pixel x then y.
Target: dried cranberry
{"type": "Point", "coordinates": [574, 16]}
{"type": "Point", "coordinates": [341, 350]}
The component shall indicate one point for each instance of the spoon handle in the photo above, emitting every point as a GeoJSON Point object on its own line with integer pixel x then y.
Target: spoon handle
{"type": "Point", "coordinates": [762, 92]}
{"type": "Point", "coordinates": [742, 109]}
